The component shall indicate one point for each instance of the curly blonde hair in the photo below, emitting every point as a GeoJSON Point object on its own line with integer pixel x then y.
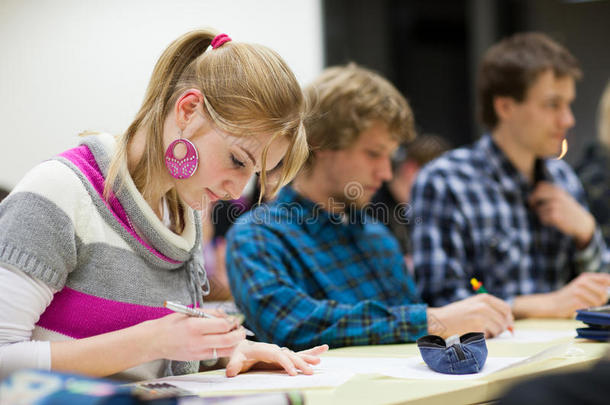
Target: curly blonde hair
{"type": "Point", "coordinates": [346, 100]}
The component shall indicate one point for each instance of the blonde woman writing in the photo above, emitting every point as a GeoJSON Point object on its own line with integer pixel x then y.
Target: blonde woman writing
{"type": "Point", "coordinates": [93, 241]}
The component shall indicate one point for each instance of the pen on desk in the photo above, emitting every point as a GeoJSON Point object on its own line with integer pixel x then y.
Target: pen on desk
{"type": "Point", "coordinates": [479, 288]}
{"type": "Point", "coordinates": [183, 309]}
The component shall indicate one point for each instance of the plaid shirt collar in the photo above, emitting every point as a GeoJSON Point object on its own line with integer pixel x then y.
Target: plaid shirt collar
{"type": "Point", "coordinates": [315, 217]}
{"type": "Point", "coordinates": [507, 175]}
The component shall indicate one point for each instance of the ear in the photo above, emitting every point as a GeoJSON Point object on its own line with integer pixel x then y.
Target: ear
{"type": "Point", "coordinates": [503, 107]}
{"type": "Point", "coordinates": [410, 169]}
{"type": "Point", "coordinates": [186, 106]}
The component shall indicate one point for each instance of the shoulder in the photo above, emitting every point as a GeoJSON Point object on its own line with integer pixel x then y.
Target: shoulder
{"type": "Point", "coordinates": [265, 219]}
{"type": "Point", "coordinates": [563, 174]}
{"type": "Point", "coordinates": [458, 166]}
{"type": "Point", "coordinates": [379, 233]}
{"type": "Point", "coordinates": [55, 182]}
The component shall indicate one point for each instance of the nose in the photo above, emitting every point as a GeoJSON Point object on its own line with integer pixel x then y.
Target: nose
{"type": "Point", "coordinates": [385, 170]}
{"type": "Point", "coordinates": [567, 118]}
{"type": "Point", "coordinates": [234, 187]}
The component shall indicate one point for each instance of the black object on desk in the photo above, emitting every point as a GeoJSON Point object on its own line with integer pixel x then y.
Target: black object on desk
{"type": "Point", "coordinates": [598, 323]}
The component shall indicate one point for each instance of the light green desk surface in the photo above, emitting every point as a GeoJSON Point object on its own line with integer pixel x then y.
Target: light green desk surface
{"type": "Point", "coordinates": [377, 389]}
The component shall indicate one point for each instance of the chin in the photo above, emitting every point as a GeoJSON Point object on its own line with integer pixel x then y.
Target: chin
{"type": "Point", "coordinates": [361, 203]}
{"type": "Point", "coordinates": [194, 204]}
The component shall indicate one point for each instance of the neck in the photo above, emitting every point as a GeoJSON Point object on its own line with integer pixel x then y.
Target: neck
{"type": "Point", "coordinates": [314, 187]}
{"type": "Point", "coordinates": [135, 152]}
{"type": "Point", "coordinates": [522, 158]}
{"type": "Point", "coordinates": [400, 189]}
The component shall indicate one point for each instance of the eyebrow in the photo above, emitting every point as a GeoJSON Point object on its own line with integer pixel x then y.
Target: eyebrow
{"type": "Point", "coordinates": [249, 154]}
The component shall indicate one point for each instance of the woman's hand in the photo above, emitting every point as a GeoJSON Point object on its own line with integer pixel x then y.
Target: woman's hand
{"type": "Point", "coordinates": [181, 337]}
{"type": "Point", "coordinates": [267, 356]}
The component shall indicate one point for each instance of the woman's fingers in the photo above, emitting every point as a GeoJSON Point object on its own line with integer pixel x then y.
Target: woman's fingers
{"type": "Point", "coordinates": [222, 340]}
{"type": "Point", "coordinates": [268, 356]}
{"type": "Point", "coordinates": [236, 364]}
{"type": "Point", "coordinates": [299, 362]}
{"type": "Point", "coordinates": [315, 351]}
{"type": "Point", "coordinates": [309, 358]}
{"type": "Point", "coordinates": [206, 326]}
{"type": "Point", "coordinates": [285, 362]}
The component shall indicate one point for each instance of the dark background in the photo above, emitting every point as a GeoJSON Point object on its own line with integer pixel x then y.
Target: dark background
{"type": "Point", "coordinates": [430, 50]}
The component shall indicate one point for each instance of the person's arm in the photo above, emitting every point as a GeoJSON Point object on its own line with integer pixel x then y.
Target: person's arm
{"type": "Point", "coordinates": [564, 205]}
{"type": "Point", "coordinates": [39, 223]}
{"type": "Point", "coordinates": [440, 242]}
{"type": "Point", "coordinates": [567, 211]}
{"type": "Point", "coordinates": [558, 208]}
{"type": "Point", "coordinates": [22, 299]}
{"type": "Point", "coordinates": [586, 290]}
{"type": "Point", "coordinates": [281, 311]}
{"type": "Point", "coordinates": [591, 257]}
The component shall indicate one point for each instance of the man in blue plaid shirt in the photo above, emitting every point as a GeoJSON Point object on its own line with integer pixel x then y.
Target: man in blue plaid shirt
{"type": "Point", "coordinates": [313, 267]}
{"type": "Point", "coordinates": [503, 210]}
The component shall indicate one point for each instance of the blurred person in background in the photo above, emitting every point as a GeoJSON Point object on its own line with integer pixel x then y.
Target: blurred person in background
{"type": "Point", "coordinates": [504, 210]}
{"type": "Point", "coordinates": [313, 266]}
{"type": "Point", "coordinates": [391, 205]}
{"type": "Point", "coordinates": [594, 171]}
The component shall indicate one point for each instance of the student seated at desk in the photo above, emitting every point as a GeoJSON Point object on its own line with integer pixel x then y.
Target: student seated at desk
{"type": "Point", "coordinates": [594, 170]}
{"type": "Point", "coordinates": [395, 195]}
{"type": "Point", "coordinates": [503, 210]}
{"type": "Point", "coordinates": [93, 241]}
{"type": "Point", "coordinates": [312, 267]}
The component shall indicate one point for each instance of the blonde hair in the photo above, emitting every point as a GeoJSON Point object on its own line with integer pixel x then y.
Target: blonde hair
{"type": "Point", "coordinates": [248, 89]}
{"type": "Point", "coordinates": [603, 117]}
{"type": "Point", "coordinates": [346, 100]}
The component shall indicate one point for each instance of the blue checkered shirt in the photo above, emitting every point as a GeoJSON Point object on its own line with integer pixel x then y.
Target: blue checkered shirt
{"type": "Point", "coordinates": [472, 219]}
{"type": "Point", "coordinates": [304, 277]}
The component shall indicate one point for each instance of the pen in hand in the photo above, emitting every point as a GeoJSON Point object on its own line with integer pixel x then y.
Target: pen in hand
{"type": "Point", "coordinates": [478, 288]}
{"type": "Point", "coordinates": [183, 309]}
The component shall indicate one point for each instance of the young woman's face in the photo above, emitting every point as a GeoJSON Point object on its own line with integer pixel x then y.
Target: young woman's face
{"type": "Point", "coordinates": [226, 163]}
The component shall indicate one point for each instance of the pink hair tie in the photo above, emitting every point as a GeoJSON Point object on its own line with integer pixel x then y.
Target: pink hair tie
{"type": "Point", "coordinates": [219, 40]}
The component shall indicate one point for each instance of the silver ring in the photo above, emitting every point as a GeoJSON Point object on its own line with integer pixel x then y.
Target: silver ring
{"type": "Point", "coordinates": [214, 354]}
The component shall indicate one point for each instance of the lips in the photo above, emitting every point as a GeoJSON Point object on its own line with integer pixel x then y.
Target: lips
{"type": "Point", "coordinates": [213, 196]}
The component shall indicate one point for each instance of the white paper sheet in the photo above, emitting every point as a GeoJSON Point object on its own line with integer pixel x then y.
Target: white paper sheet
{"type": "Point", "coordinates": [331, 372]}
{"type": "Point", "coordinates": [534, 336]}
{"type": "Point", "coordinates": [412, 367]}
{"type": "Point", "coordinates": [260, 380]}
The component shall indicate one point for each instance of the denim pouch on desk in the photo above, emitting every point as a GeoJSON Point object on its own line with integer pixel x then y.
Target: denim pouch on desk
{"type": "Point", "coordinates": [463, 355]}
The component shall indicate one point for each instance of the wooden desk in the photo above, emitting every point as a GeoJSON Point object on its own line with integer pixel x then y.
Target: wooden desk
{"type": "Point", "coordinates": [376, 389]}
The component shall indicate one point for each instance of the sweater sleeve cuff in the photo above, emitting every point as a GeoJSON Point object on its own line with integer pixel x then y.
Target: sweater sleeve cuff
{"type": "Point", "coordinates": [26, 354]}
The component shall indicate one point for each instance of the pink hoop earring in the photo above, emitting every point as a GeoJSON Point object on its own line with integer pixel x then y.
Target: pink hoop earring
{"type": "Point", "coordinates": [185, 167]}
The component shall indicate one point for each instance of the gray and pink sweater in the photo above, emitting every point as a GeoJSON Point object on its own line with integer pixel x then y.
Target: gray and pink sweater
{"type": "Point", "coordinates": [112, 262]}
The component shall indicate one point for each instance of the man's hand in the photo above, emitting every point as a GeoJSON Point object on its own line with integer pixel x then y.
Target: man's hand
{"type": "Point", "coordinates": [556, 207]}
{"type": "Point", "coordinates": [586, 290]}
{"type": "Point", "coordinates": [480, 313]}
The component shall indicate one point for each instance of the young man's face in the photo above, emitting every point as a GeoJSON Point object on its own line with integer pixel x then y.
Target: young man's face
{"type": "Point", "coordinates": [540, 122]}
{"type": "Point", "coordinates": [356, 173]}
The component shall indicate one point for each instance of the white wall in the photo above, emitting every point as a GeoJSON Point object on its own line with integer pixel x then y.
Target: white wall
{"type": "Point", "coordinates": [70, 65]}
